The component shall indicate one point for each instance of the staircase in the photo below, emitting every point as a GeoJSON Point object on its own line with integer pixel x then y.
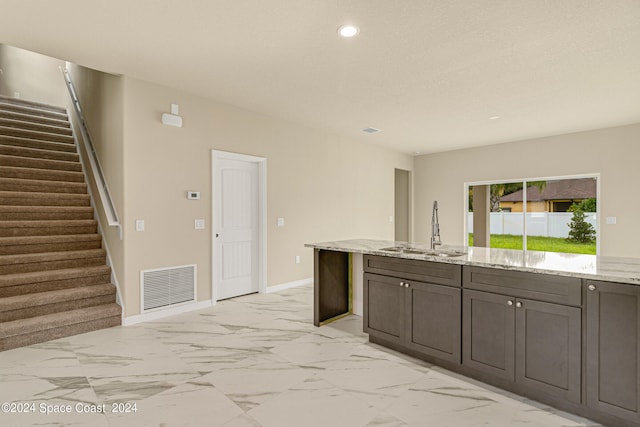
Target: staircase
{"type": "Point", "coordinates": [54, 280]}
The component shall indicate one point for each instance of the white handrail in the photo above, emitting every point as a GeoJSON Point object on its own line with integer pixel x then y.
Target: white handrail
{"type": "Point", "coordinates": [96, 169]}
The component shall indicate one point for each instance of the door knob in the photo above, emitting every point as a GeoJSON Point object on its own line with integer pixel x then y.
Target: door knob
{"type": "Point", "coordinates": [406, 285]}
{"type": "Point", "coordinates": [591, 287]}
{"type": "Point", "coordinates": [518, 304]}
{"type": "Point", "coordinates": [509, 303]}
{"type": "Point", "coordinates": [401, 284]}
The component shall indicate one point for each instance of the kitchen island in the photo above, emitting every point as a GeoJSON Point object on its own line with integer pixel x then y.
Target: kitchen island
{"type": "Point", "coordinates": [560, 328]}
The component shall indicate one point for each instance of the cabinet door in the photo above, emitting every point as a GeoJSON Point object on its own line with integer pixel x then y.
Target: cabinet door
{"type": "Point", "coordinates": [548, 348]}
{"type": "Point", "coordinates": [433, 320]}
{"type": "Point", "coordinates": [384, 306]}
{"type": "Point", "coordinates": [488, 333]}
{"type": "Point", "coordinates": [613, 352]}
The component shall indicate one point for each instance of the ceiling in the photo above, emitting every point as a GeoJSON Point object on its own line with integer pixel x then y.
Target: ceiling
{"type": "Point", "coordinates": [429, 73]}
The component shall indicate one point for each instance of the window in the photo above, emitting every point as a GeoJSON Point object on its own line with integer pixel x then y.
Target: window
{"type": "Point", "coordinates": [556, 214]}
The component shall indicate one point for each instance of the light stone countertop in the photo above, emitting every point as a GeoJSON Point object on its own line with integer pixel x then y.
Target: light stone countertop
{"type": "Point", "coordinates": [615, 269]}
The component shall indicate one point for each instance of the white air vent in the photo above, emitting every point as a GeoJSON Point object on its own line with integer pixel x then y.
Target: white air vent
{"type": "Point", "coordinates": [164, 287]}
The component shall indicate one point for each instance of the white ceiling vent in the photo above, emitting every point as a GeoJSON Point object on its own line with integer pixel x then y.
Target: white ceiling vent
{"type": "Point", "coordinates": [370, 130]}
{"type": "Point", "coordinates": [165, 287]}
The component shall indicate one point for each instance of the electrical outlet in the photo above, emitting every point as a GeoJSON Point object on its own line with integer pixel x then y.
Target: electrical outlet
{"type": "Point", "coordinates": [139, 224]}
{"type": "Point", "coordinates": [199, 224]}
{"type": "Point", "coordinates": [280, 222]}
{"type": "Point", "coordinates": [297, 259]}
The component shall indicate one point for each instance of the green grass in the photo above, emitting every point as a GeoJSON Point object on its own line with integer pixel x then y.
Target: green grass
{"type": "Point", "coordinates": [539, 243]}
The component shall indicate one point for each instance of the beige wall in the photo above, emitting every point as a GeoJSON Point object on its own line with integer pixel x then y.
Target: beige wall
{"type": "Point", "coordinates": [325, 187]}
{"type": "Point", "coordinates": [36, 77]}
{"type": "Point", "coordinates": [611, 152]}
{"type": "Point", "coordinates": [101, 97]}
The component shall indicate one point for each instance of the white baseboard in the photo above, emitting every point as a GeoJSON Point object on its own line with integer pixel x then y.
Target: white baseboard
{"type": "Point", "coordinates": [166, 312]}
{"type": "Point", "coordinates": [289, 285]}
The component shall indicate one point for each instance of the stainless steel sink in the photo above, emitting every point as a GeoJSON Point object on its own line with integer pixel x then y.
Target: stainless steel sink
{"type": "Point", "coordinates": [450, 254]}
{"type": "Point", "coordinates": [416, 251]}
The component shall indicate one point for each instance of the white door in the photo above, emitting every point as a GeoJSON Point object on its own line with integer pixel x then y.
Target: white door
{"type": "Point", "coordinates": [236, 228]}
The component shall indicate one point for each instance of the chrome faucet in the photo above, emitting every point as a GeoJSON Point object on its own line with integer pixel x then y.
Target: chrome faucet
{"type": "Point", "coordinates": [435, 227]}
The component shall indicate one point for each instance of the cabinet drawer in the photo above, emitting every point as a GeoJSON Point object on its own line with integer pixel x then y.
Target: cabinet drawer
{"type": "Point", "coordinates": [541, 287]}
{"type": "Point", "coordinates": [411, 269]}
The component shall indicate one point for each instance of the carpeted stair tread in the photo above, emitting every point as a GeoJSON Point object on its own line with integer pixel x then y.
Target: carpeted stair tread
{"type": "Point", "coordinates": [37, 144]}
{"type": "Point", "coordinates": [28, 162]}
{"type": "Point", "coordinates": [47, 228]}
{"type": "Point", "coordinates": [55, 275]}
{"type": "Point", "coordinates": [35, 126]}
{"type": "Point", "coordinates": [37, 153]}
{"type": "Point", "coordinates": [46, 261]}
{"type": "Point", "coordinates": [27, 117]}
{"type": "Point", "coordinates": [34, 244]}
{"type": "Point", "coordinates": [44, 174]}
{"type": "Point", "coordinates": [57, 325]}
{"type": "Point", "coordinates": [33, 105]}
{"type": "Point", "coordinates": [42, 186]}
{"type": "Point", "coordinates": [45, 213]}
{"type": "Point", "coordinates": [34, 134]}
{"type": "Point", "coordinates": [31, 110]}
{"type": "Point", "coordinates": [19, 198]}
{"type": "Point", "coordinates": [43, 303]}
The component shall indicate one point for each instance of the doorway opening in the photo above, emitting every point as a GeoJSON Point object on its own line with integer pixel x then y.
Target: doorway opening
{"type": "Point", "coordinates": [402, 208]}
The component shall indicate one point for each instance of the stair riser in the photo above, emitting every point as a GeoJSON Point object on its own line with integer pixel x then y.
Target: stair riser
{"type": "Point", "coordinates": [47, 231]}
{"type": "Point", "coordinates": [13, 150]}
{"type": "Point", "coordinates": [14, 115]}
{"type": "Point", "coordinates": [52, 265]}
{"type": "Point", "coordinates": [43, 187]}
{"type": "Point", "coordinates": [38, 127]}
{"type": "Point", "coordinates": [6, 101]}
{"type": "Point", "coordinates": [26, 162]}
{"type": "Point", "coordinates": [42, 136]}
{"type": "Point", "coordinates": [57, 307]}
{"type": "Point", "coordinates": [36, 113]}
{"type": "Point", "coordinates": [41, 174]}
{"type": "Point", "coordinates": [53, 285]}
{"type": "Point", "coordinates": [40, 145]}
{"type": "Point", "coordinates": [49, 247]}
{"type": "Point", "coordinates": [55, 333]}
{"type": "Point", "coordinates": [45, 216]}
{"type": "Point", "coordinates": [36, 199]}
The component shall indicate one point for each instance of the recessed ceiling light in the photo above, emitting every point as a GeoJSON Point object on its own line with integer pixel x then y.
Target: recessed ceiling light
{"type": "Point", "coordinates": [494, 117]}
{"type": "Point", "coordinates": [348, 31]}
{"type": "Point", "coordinates": [370, 130]}
{"type": "Point", "coordinates": [417, 153]}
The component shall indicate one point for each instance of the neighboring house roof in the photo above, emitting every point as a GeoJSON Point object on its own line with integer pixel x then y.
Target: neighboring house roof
{"type": "Point", "coordinates": [566, 189]}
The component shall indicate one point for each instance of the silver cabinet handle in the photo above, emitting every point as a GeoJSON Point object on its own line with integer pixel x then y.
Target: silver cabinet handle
{"type": "Point", "coordinates": [509, 303]}
{"type": "Point", "coordinates": [518, 304]}
{"type": "Point", "coordinates": [591, 287]}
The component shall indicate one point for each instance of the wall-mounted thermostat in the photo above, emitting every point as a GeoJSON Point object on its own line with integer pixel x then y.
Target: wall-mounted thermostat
{"type": "Point", "coordinates": [193, 195]}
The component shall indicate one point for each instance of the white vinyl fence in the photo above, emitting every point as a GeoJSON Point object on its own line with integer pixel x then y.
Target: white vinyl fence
{"type": "Point", "coordinates": [550, 224]}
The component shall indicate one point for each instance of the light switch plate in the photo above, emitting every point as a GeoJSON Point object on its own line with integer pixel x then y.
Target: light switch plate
{"type": "Point", "coordinates": [612, 220]}
{"type": "Point", "coordinates": [198, 224]}
{"type": "Point", "coordinates": [280, 222]}
{"type": "Point", "coordinates": [193, 195]}
{"type": "Point", "coordinates": [139, 224]}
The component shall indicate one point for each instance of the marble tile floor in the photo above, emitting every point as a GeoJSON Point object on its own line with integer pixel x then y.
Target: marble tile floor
{"type": "Point", "coordinates": [250, 361]}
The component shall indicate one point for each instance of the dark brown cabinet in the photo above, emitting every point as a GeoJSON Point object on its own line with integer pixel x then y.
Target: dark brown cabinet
{"type": "Point", "coordinates": [613, 349]}
{"type": "Point", "coordinates": [536, 344]}
{"type": "Point", "coordinates": [418, 315]}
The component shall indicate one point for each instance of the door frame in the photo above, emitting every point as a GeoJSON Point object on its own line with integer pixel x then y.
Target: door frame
{"type": "Point", "coordinates": [216, 156]}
